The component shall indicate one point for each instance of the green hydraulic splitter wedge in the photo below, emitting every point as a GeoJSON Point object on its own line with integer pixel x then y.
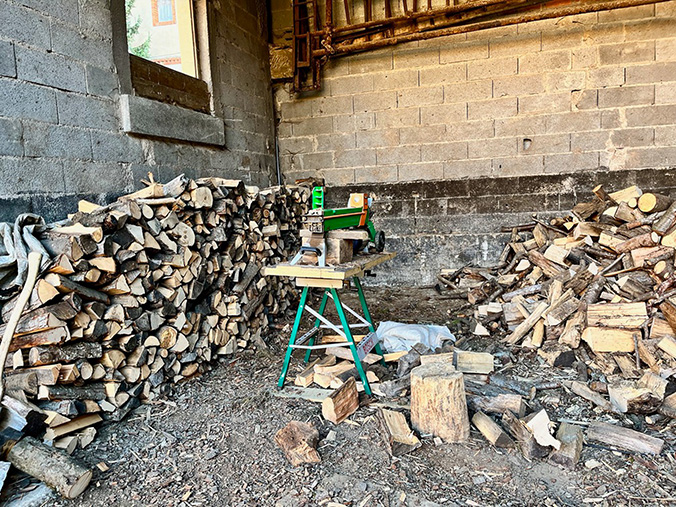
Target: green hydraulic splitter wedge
{"type": "Point", "coordinates": [357, 215]}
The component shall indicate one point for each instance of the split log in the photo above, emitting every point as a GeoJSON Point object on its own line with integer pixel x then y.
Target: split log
{"type": "Point", "coordinates": [492, 431]}
{"type": "Point", "coordinates": [628, 398]}
{"type": "Point", "coordinates": [572, 439]}
{"type": "Point", "coordinates": [624, 438]}
{"type": "Point", "coordinates": [398, 436]}
{"type": "Point", "coordinates": [342, 403]}
{"type": "Point", "coordinates": [66, 353]}
{"type": "Point", "coordinates": [473, 362]}
{"type": "Point", "coordinates": [585, 392]}
{"type": "Point", "coordinates": [438, 402]}
{"type": "Point", "coordinates": [523, 437]}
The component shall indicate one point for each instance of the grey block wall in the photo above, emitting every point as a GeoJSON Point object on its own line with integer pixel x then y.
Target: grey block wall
{"type": "Point", "coordinates": [60, 136]}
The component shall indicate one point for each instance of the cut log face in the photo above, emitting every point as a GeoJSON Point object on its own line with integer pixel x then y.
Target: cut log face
{"type": "Point", "coordinates": [438, 402]}
{"type": "Point", "coordinates": [299, 440]}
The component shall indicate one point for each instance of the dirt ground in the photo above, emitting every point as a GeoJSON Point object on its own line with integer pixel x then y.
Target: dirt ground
{"type": "Point", "coordinates": [211, 443]}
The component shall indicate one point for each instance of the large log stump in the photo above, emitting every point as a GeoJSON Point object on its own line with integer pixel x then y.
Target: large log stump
{"type": "Point", "coordinates": [438, 402]}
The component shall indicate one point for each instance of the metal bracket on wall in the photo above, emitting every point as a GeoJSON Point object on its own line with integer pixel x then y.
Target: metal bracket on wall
{"type": "Point", "coordinates": [315, 40]}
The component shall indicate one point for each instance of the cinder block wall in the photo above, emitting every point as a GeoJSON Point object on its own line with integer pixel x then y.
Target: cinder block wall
{"type": "Point", "coordinates": [459, 135]}
{"type": "Point", "coordinates": [60, 137]}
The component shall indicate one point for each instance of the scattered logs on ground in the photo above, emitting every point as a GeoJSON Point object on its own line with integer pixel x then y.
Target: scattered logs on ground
{"type": "Point", "coordinates": [147, 291]}
{"type": "Point", "coordinates": [595, 292]}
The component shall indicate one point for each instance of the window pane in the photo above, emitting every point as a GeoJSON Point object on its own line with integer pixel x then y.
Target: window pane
{"type": "Point", "coordinates": [165, 13]}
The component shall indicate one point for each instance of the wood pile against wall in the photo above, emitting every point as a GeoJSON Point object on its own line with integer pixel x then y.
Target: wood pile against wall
{"type": "Point", "coordinates": [148, 291]}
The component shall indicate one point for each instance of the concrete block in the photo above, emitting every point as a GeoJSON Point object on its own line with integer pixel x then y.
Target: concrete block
{"type": "Point", "coordinates": [56, 141]}
{"type": "Point", "coordinates": [50, 69]}
{"type": "Point", "coordinates": [590, 141]}
{"type": "Point", "coordinates": [516, 45]}
{"type": "Point", "coordinates": [665, 50]}
{"type": "Point", "coordinates": [380, 138]}
{"type": "Point", "coordinates": [11, 135]}
{"type": "Point", "coordinates": [489, 148]}
{"type": "Point", "coordinates": [412, 97]}
{"type": "Point", "coordinates": [24, 25]}
{"type": "Point", "coordinates": [310, 126]}
{"type": "Point", "coordinates": [405, 57]}
{"type": "Point", "coordinates": [574, 122]}
{"type": "Point", "coordinates": [95, 18]}
{"type": "Point", "coordinates": [584, 99]}
{"type": "Point", "coordinates": [610, 119]}
{"type": "Point", "coordinates": [355, 158]}
{"type": "Point", "coordinates": [378, 174]}
{"type": "Point", "coordinates": [444, 74]}
{"type": "Point", "coordinates": [627, 96]}
{"type": "Point", "coordinates": [605, 76]}
{"type": "Point", "coordinates": [424, 135]}
{"type": "Point", "coordinates": [423, 171]}
{"type": "Point", "coordinates": [537, 63]}
{"type": "Point", "coordinates": [464, 51]}
{"type": "Point", "coordinates": [467, 92]}
{"type": "Point", "coordinates": [630, 52]}
{"type": "Point", "coordinates": [468, 168]}
{"type": "Point", "coordinates": [571, 162]}
{"type": "Point", "coordinates": [654, 73]}
{"type": "Point", "coordinates": [101, 82]}
{"type": "Point", "coordinates": [397, 118]}
{"type": "Point", "coordinates": [114, 147]}
{"type": "Point", "coordinates": [296, 108]}
{"type": "Point", "coordinates": [659, 28]}
{"type": "Point", "coordinates": [518, 85]}
{"type": "Point", "coordinates": [441, 152]}
{"type": "Point", "coordinates": [65, 10]}
{"type": "Point", "coordinates": [585, 58]}
{"type": "Point", "coordinates": [626, 14]}
{"type": "Point", "coordinates": [25, 100]}
{"type": "Point", "coordinates": [82, 111]}
{"type": "Point", "coordinates": [542, 144]}
{"type": "Point", "coordinates": [665, 93]}
{"type": "Point", "coordinates": [496, 108]}
{"type": "Point", "coordinates": [562, 39]}
{"type": "Point", "coordinates": [604, 33]}
{"type": "Point", "coordinates": [339, 176]}
{"type": "Point", "coordinates": [94, 177]}
{"type": "Point", "coordinates": [375, 101]}
{"type": "Point", "coordinates": [332, 105]}
{"type": "Point", "coordinates": [346, 85]}
{"type": "Point", "coordinates": [354, 122]}
{"type": "Point", "coordinates": [484, 69]}
{"type": "Point", "coordinates": [468, 130]}
{"type": "Point", "coordinates": [518, 166]}
{"type": "Point", "coordinates": [147, 117]}
{"type": "Point", "coordinates": [666, 10]}
{"type": "Point", "coordinates": [67, 40]}
{"type": "Point", "coordinates": [651, 115]}
{"type": "Point", "coordinates": [398, 155]}
{"type": "Point", "coordinates": [335, 142]}
{"type": "Point", "coordinates": [380, 59]}
{"type": "Point", "coordinates": [565, 81]}
{"type": "Point", "coordinates": [31, 175]}
{"type": "Point", "coordinates": [632, 137]}
{"type": "Point", "coordinates": [443, 114]}
{"type": "Point", "coordinates": [316, 161]}
{"type": "Point", "coordinates": [549, 103]}
{"type": "Point", "coordinates": [392, 80]}
{"type": "Point", "coordinates": [519, 126]}
{"type": "Point", "coordinates": [7, 61]}
{"type": "Point", "coordinates": [651, 157]}
{"type": "Point", "coordinates": [665, 136]}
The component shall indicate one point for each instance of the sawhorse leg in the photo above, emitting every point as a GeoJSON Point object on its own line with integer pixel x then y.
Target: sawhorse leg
{"type": "Point", "coordinates": [350, 339]}
{"type": "Point", "coordinates": [367, 315]}
{"type": "Point", "coordinates": [292, 338]}
{"type": "Point", "coordinates": [322, 307]}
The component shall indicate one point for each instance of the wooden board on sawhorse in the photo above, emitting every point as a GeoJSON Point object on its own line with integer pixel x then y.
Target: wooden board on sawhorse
{"type": "Point", "coordinates": [332, 278]}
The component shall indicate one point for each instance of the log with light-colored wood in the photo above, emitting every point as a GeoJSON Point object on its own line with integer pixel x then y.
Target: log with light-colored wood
{"type": "Point", "coordinates": [342, 403]}
{"type": "Point", "coordinates": [624, 438]}
{"type": "Point", "coordinates": [607, 339]}
{"type": "Point", "coordinates": [396, 432]}
{"type": "Point", "coordinates": [571, 437]}
{"type": "Point", "coordinates": [492, 431]}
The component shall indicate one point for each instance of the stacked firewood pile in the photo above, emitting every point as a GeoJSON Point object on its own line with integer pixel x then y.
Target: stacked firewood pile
{"type": "Point", "coordinates": [148, 291]}
{"type": "Point", "coordinates": [594, 292]}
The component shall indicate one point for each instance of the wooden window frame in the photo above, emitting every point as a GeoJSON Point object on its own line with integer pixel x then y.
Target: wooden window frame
{"type": "Point", "coordinates": [156, 14]}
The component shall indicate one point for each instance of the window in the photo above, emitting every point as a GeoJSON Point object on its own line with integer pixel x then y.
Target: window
{"type": "Point", "coordinates": [163, 12]}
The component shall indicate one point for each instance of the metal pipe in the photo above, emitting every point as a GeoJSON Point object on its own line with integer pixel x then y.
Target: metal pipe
{"type": "Point", "coordinates": [484, 25]}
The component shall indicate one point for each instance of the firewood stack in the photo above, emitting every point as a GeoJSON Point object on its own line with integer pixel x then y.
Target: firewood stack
{"type": "Point", "coordinates": [595, 290]}
{"type": "Point", "coordinates": [148, 291]}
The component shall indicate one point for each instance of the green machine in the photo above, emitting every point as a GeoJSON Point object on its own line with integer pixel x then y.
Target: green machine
{"type": "Point", "coordinates": [357, 215]}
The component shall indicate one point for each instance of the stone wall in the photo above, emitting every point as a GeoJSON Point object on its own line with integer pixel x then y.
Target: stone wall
{"type": "Point", "coordinates": [459, 135]}
{"type": "Point", "coordinates": [60, 132]}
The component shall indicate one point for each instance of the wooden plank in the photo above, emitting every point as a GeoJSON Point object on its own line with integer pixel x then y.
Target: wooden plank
{"type": "Point", "coordinates": [342, 272]}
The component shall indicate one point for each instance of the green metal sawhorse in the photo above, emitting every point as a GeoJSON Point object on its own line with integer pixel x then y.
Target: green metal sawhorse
{"type": "Point", "coordinates": [345, 330]}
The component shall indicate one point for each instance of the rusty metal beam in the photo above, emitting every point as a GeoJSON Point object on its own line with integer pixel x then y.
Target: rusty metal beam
{"type": "Point", "coordinates": [556, 12]}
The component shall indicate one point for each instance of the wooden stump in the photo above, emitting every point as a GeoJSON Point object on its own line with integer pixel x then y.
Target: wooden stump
{"type": "Point", "coordinates": [298, 441]}
{"type": "Point", "coordinates": [438, 403]}
{"type": "Point", "coordinates": [51, 466]}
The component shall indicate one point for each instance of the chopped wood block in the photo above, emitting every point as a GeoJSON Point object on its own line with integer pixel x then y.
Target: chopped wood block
{"type": "Point", "coordinates": [492, 431]}
{"type": "Point", "coordinates": [660, 328]}
{"type": "Point", "coordinates": [523, 328]}
{"type": "Point", "coordinates": [438, 402]}
{"type": "Point", "coordinates": [668, 408]}
{"type": "Point", "coordinates": [438, 358]}
{"type": "Point", "coordinates": [393, 357]}
{"type": "Point", "coordinates": [606, 339]}
{"type": "Point", "coordinates": [557, 254]}
{"type": "Point", "coordinates": [346, 354]}
{"type": "Point", "coordinates": [626, 397]}
{"type": "Point", "coordinates": [626, 194]}
{"type": "Point", "coordinates": [497, 403]}
{"type": "Point", "coordinates": [655, 383]}
{"type": "Point", "coordinates": [396, 432]}
{"type": "Point", "coordinates": [572, 439]}
{"type": "Point", "coordinates": [627, 365]}
{"type": "Point", "coordinates": [540, 426]}
{"type": "Point", "coordinates": [342, 403]}
{"type": "Point", "coordinates": [523, 437]}
{"type": "Point", "coordinates": [585, 392]}
{"type": "Point", "coordinates": [651, 202]}
{"type": "Point", "coordinates": [473, 362]}
{"type": "Point", "coordinates": [299, 440]}
{"type": "Point", "coordinates": [629, 315]}
{"type": "Point", "coordinates": [71, 426]}
{"type": "Point", "coordinates": [624, 438]}
{"type": "Point", "coordinates": [557, 354]}
{"type": "Point", "coordinates": [668, 345]}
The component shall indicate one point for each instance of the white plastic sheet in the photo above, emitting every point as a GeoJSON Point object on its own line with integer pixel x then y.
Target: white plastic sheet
{"type": "Point", "coordinates": [397, 337]}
